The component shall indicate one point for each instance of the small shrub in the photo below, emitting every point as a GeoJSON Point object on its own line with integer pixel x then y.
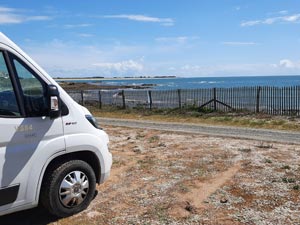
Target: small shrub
{"type": "Point", "coordinates": [245, 150]}
{"type": "Point", "coordinates": [266, 146]}
{"type": "Point", "coordinates": [154, 139]}
{"type": "Point", "coordinates": [296, 188]}
{"type": "Point", "coordinates": [288, 180]}
{"type": "Point", "coordinates": [286, 167]}
{"type": "Point", "coordinates": [183, 188]}
{"type": "Point", "coordinates": [268, 161]}
{"type": "Point", "coordinates": [139, 136]}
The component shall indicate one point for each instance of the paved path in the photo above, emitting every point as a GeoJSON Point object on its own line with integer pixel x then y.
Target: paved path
{"type": "Point", "coordinates": [224, 131]}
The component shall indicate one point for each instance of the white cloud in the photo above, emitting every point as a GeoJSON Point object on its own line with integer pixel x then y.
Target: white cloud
{"type": "Point", "coordinates": [9, 19]}
{"type": "Point", "coordinates": [250, 23]}
{"type": "Point", "coordinates": [143, 18]}
{"type": "Point", "coordinates": [280, 19]}
{"type": "Point", "coordinates": [70, 26]}
{"type": "Point", "coordinates": [223, 70]}
{"type": "Point", "coordinates": [75, 59]}
{"type": "Point", "coordinates": [288, 64]}
{"type": "Point", "coordinates": [84, 35]}
{"type": "Point", "coordinates": [179, 39]}
{"type": "Point", "coordinates": [280, 13]}
{"type": "Point", "coordinates": [236, 43]}
{"type": "Point", "coordinates": [284, 67]}
{"type": "Point", "coordinates": [68, 58]}
{"type": "Point", "coordinates": [283, 12]}
{"type": "Point", "coordinates": [129, 67]}
{"type": "Point", "coordinates": [37, 18]}
{"type": "Point", "coordinates": [12, 16]}
{"type": "Point", "coordinates": [292, 18]}
{"type": "Point", "coordinates": [5, 9]}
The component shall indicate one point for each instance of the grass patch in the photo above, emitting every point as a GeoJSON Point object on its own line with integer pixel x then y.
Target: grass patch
{"type": "Point", "coordinates": [161, 212]}
{"type": "Point", "coordinates": [146, 163]}
{"type": "Point", "coordinates": [183, 188]}
{"type": "Point", "coordinates": [199, 172]}
{"type": "Point", "coordinates": [288, 180]}
{"type": "Point", "coordinates": [265, 146]}
{"type": "Point", "coordinates": [139, 136]}
{"type": "Point", "coordinates": [245, 150]}
{"type": "Point", "coordinates": [268, 161]}
{"type": "Point", "coordinates": [154, 139]}
{"type": "Point", "coordinates": [286, 167]}
{"type": "Point", "coordinates": [296, 187]}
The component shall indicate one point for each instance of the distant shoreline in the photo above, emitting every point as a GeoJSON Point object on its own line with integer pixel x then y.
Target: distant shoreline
{"type": "Point", "coordinates": [83, 86]}
{"type": "Point", "coordinates": [112, 78]}
{"type": "Point", "coordinates": [168, 83]}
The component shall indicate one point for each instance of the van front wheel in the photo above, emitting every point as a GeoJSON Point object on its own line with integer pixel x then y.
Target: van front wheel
{"type": "Point", "coordinates": [68, 188]}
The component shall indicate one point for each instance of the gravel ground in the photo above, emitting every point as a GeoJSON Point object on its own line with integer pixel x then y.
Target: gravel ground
{"type": "Point", "coordinates": [225, 131]}
{"type": "Point", "coordinates": [168, 177]}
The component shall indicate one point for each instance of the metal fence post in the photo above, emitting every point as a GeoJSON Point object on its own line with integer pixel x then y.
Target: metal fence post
{"type": "Point", "coordinates": [179, 98]}
{"type": "Point", "coordinates": [123, 99]}
{"type": "Point", "coordinates": [258, 99]}
{"type": "Point", "coordinates": [82, 99]}
{"type": "Point", "coordinates": [150, 99]}
{"type": "Point", "coordinates": [215, 99]}
{"type": "Point", "coordinates": [100, 99]}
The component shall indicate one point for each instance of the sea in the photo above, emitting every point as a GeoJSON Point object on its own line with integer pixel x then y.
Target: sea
{"type": "Point", "coordinates": [200, 82]}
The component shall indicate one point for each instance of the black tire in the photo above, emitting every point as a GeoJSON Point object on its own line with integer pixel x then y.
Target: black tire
{"type": "Point", "coordinates": [52, 197]}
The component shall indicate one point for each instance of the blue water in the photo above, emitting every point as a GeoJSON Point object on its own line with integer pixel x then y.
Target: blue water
{"type": "Point", "coordinates": [205, 82]}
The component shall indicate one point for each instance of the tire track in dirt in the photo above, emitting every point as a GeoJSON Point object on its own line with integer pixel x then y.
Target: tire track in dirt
{"type": "Point", "coordinates": [199, 192]}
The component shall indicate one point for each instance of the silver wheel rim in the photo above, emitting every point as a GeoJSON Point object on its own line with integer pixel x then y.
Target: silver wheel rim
{"type": "Point", "coordinates": [73, 189]}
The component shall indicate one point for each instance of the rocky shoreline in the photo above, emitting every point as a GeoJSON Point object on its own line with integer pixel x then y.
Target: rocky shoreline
{"type": "Point", "coordinates": [70, 86]}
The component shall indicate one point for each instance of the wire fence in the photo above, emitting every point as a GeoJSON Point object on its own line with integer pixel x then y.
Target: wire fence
{"type": "Point", "coordinates": [270, 100]}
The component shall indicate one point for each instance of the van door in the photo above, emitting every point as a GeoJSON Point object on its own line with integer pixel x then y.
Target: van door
{"type": "Point", "coordinates": [26, 131]}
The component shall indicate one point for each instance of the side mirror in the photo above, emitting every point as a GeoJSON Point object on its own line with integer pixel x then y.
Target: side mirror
{"type": "Point", "coordinates": [54, 100]}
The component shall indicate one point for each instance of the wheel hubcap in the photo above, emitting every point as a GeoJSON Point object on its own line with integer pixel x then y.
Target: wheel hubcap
{"type": "Point", "coordinates": [73, 189]}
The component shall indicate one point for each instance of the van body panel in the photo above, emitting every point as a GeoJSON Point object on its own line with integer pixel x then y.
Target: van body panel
{"type": "Point", "coordinates": [29, 144]}
{"type": "Point", "coordinates": [26, 145]}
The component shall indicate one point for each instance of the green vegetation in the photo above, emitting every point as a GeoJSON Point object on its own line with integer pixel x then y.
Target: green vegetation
{"type": "Point", "coordinates": [193, 116]}
{"type": "Point", "coordinates": [245, 150]}
{"type": "Point", "coordinates": [288, 180]}
{"type": "Point", "coordinates": [146, 163]}
{"type": "Point", "coordinates": [154, 139]}
{"type": "Point", "coordinates": [286, 167]}
{"type": "Point", "coordinates": [268, 161]}
{"type": "Point", "coordinates": [296, 188]}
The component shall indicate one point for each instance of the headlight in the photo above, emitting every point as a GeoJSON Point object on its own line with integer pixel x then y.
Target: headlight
{"type": "Point", "coordinates": [93, 121]}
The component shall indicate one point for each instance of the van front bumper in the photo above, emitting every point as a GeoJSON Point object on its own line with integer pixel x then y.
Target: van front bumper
{"type": "Point", "coordinates": [105, 172]}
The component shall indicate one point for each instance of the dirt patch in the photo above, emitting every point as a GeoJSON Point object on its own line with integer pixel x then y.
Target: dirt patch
{"type": "Point", "coordinates": [193, 200]}
{"type": "Point", "coordinates": [161, 177]}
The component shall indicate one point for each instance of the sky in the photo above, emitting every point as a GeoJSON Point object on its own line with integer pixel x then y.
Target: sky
{"type": "Point", "coordinates": [184, 38]}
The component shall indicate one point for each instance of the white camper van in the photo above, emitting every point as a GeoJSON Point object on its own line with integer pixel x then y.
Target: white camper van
{"type": "Point", "coordinates": [51, 150]}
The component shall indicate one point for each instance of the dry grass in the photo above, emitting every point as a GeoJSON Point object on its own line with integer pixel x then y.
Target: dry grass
{"type": "Point", "coordinates": [173, 178]}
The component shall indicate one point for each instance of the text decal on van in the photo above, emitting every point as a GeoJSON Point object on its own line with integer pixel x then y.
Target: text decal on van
{"type": "Point", "coordinates": [24, 128]}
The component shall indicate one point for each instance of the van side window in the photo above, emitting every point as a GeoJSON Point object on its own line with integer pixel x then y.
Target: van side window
{"type": "Point", "coordinates": [8, 102]}
{"type": "Point", "coordinates": [34, 90]}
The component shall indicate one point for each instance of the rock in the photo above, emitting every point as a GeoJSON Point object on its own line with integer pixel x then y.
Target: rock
{"type": "Point", "coordinates": [138, 149]}
{"type": "Point", "coordinates": [189, 207]}
{"type": "Point", "coordinates": [223, 200]}
{"type": "Point", "coordinates": [161, 145]}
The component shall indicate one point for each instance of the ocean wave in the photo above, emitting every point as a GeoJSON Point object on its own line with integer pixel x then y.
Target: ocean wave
{"type": "Point", "coordinates": [206, 82]}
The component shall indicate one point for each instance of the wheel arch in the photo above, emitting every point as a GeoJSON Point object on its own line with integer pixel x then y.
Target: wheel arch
{"type": "Point", "coordinates": [56, 172]}
{"type": "Point", "coordinates": [87, 156]}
